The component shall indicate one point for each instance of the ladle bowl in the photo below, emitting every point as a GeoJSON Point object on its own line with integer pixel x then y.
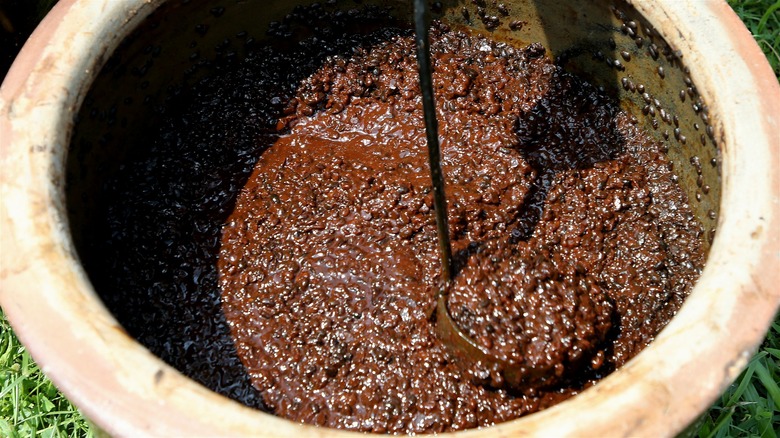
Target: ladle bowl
{"type": "Point", "coordinates": [513, 375]}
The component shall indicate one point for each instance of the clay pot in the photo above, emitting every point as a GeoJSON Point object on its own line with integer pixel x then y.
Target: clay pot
{"type": "Point", "coordinates": [699, 49]}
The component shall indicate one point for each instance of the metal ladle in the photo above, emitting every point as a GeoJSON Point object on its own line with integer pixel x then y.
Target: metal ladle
{"type": "Point", "coordinates": [465, 348]}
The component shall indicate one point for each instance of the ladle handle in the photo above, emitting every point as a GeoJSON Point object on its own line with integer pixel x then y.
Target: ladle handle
{"type": "Point", "coordinates": [514, 375]}
{"type": "Point", "coordinates": [432, 135]}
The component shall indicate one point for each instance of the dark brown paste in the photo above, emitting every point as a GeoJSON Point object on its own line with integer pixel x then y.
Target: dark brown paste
{"type": "Point", "coordinates": [291, 194]}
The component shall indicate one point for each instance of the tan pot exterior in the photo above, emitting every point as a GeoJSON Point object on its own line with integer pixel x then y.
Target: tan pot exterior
{"type": "Point", "coordinates": [129, 392]}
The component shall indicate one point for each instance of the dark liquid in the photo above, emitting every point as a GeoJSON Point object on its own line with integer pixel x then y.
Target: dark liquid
{"type": "Point", "coordinates": [275, 241]}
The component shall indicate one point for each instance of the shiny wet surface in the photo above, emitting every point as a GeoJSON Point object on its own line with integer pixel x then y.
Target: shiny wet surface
{"type": "Point", "coordinates": [275, 240]}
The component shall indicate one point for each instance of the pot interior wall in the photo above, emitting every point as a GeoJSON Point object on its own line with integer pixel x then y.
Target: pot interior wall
{"type": "Point", "coordinates": [606, 42]}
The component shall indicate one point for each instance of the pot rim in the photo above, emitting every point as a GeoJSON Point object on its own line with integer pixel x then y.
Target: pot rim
{"type": "Point", "coordinates": [128, 391]}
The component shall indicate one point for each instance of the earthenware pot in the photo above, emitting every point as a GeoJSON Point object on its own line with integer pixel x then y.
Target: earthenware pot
{"type": "Point", "coordinates": [721, 116]}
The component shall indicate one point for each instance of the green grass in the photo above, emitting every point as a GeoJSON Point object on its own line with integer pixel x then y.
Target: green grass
{"type": "Point", "coordinates": [30, 405]}
{"type": "Point", "coordinates": [762, 18]}
{"type": "Point", "coordinates": [751, 405]}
